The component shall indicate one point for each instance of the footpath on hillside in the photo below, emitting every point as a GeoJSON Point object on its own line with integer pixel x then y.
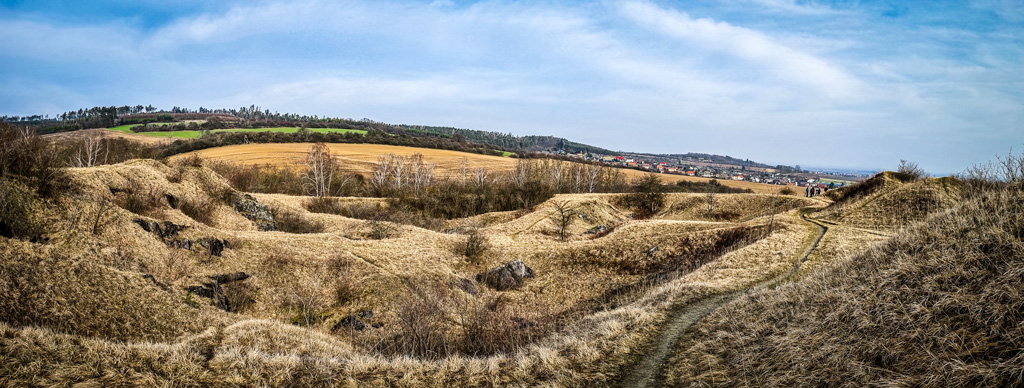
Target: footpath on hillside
{"type": "Point", "coordinates": [645, 372]}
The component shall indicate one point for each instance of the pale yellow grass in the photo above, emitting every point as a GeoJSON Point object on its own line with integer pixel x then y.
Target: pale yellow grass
{"type": "Point", "coordinates": [360, 158]}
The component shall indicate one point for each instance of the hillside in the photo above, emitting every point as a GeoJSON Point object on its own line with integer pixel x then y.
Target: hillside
{"type": "Point", "coordinates": [124, 288]}
{"type": "Point", "coordinates": [937, 304]}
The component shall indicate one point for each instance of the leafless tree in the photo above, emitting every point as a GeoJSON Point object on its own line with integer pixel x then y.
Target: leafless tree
{"type": "Point", "coordinates": [400, 167]}
{"type": "Point", "coordinates": [321, 167]}
{"type": "Point", "coordinates": [480, 175]}
{"type": "Point", "coordinates": [555, 171]}
{"type": "Point", "coordinates": [465, 165]}
{"type": "Point", "coordinates": [711, 202]}
{"type": "Point", "coordinates": [593, 172]}
{"type": "Point", "coordinates": [381, 170]}
{"type": "Point", "coordinates": [89, 149]}
{"type": "Point", "coordinates": [563, 216]}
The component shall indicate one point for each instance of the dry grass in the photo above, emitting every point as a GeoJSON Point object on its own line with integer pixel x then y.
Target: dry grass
{"type": "Point", "coordinates": [938, 304]}
{"type": "Point", "coordinates": [593, 301]}
{"type": "Point", "coordinates": [360, 158]}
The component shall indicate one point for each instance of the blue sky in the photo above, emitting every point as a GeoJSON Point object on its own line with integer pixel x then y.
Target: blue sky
{"type": "Point", "coordinates": [844, 83]}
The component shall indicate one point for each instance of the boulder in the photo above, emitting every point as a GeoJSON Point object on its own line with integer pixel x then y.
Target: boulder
{"type": "Point", "coordinates": [216, 246]}
{"type": "Point", "coordinates": [506, 276]}
{"type": "Point", "coordinates": [597, 229]}
{"type": "Point", "coordinates": [258, 213]}
{"type": "Point", "coordinates": [229, 277]}
{"type": "Point", "coordinates": [350, 322]}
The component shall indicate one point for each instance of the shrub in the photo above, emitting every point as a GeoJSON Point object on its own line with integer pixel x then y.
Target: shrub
{"type": "Point", "coordinates": [20, 211]}
{"type": "Point", "coordinates": [140, 198]}
{"type": "Point", "coordinates": [26, 157]}
{"type": "Point", "coordinates": [787, 191]}
{"type": "Point", "coordinates": [198, 208]}
{"type": "Point", "coordinates": [909, 171]}
{"type": "Point", "coordinates": [293, 222]}
{"type": "Point", "coordinates": [647, 198]}
{"type": "Point", "coordinates": [475, 246]}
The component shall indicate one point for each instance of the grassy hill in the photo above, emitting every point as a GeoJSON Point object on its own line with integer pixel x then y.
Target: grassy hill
{"type": "Point", "coordinates": [937, 304]}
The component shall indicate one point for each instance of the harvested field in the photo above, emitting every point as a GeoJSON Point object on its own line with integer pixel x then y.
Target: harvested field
{"type": "Point", "coordinates": [359, 158]}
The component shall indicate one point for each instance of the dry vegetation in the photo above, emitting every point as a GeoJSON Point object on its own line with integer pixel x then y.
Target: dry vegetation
{"type": "Point", "coordinates": [937, 304]}
{"type": "Point", "coordinates": [148, 274]}
{"type": "Point", "coordinates": [360, 159]}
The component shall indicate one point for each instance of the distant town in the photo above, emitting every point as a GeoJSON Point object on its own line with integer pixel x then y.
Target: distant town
{"type": "Point", "coordinates": [706, 167]}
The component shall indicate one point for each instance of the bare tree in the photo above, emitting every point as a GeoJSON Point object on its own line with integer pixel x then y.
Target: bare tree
{"type": "Point", "coordinates": [480, 175]}
{"type": "Point", "coordinates": [593, 172]}
{"type": "Point", "coordinates": [711, 202]}
{"type": "Point", "coordinates": [400, 166]}
{"type": "Point", "coordinates": [89, 149]}
{"type": "Point", "coordinates": [555, 171]}
{"type": "Point", "coordinates": [563, 216]}
{"type": "Point", "coordinates": [321, 165]}
{"type": "Point", "coordinates": [465, 165]}
{"type": "Point", "coordinates": [381, 170]}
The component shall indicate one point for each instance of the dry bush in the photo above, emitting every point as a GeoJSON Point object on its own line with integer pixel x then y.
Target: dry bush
{"type": "Point", "coordinates": [495, 325]}
{"type": "Point", "coordinates": [346, 286]}
{"type": "Point", "coordinates": [379, 230]}
{"type": "Point", "coordinates": [422, 328]}
{"type": "Point", "coordinates": [327, 205]}
{"type": "Point", "coordinates": [475, 246]}
{"type": "Point", "coordinates": [170, 267]}
{"type": "Point", "coordinates": [909, 171]}
{"type": "Point", "coordinates": [294, 222]}
{"type": "Point", "coordinates": [140, 198]}
{"type": "Point", "coordinates": [238, 296]}
{"type": "Point", "coordinates": [20, 211]}
{"type": "Point", "coordinates": [200, 208]}
{"type": "Point", "coordinates": [787, 191]}
{"type": "Point", "coordinates": [308, 303]}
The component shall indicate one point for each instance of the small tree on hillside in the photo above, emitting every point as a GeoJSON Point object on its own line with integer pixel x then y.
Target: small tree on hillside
{"type": "Point", "coordinates": [648, 196]}
{"type": "Point", "coordinates": [711, 202]}
{"type": "Point", "coordinates": [563, 216]}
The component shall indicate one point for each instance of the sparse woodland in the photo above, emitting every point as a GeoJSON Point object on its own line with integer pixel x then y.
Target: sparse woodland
{"type": "Point", "coordinates": [120, 268]}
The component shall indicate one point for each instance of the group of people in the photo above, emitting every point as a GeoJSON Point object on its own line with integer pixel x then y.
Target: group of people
{"type": "Point", "coordinates": [813, 191]}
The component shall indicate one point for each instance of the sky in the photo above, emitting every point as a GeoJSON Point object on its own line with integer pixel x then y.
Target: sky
{"type": "Point", "coordinates": [857, 84]}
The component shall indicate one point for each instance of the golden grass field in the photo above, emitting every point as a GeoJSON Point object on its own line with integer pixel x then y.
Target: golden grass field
{"type": "Point", "coordinates": [360, 158]}
{"type": "Point", "coordinates": [102, 302]}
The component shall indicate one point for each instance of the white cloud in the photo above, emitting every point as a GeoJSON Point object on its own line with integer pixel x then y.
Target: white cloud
{"type": "Point", "coordinates": [759, 51]}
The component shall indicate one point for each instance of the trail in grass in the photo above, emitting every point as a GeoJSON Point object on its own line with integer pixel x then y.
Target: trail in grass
{"type": "Point", "coordinates": [647, 371]}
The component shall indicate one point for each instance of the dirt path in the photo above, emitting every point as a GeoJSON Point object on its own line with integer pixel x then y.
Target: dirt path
{"type": "Point", "coordinates": [647, 371]}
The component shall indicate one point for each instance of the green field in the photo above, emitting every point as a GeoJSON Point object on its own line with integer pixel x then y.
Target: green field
{"type": "Point", "coordinates": [196, 134]}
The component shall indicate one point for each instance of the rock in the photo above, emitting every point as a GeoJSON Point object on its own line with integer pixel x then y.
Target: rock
{"type": "Point", "coordinates": [229, 277]}
{"type": "Point", "coordinates": [506, 276]}
{"type": "Point", "coordinates": [150, 277]}
{"type": "Point", "coordinates": [468, 286]}
{"type": "Point", "coordinates": [350, 322]}
{"type": "Point", "coordinates": [216, 246]}
{"type": "Point", "coordinates": [206, 290]}
{"type": "Point", "coordinates": [258, 213]}
{"type": "Point", "coordinates": [143, 224]}
{"type": "Point", "coordinates": [652, 251]}
{"type": "Point", "coordinates": [597, 229]}
{"type": "Point", "coordinates": [171, 200]}
{"type": "Point", "coordinates": [167, 229]}
{"type": "Point", "coordinates": [366, 314]}
{"type": "Point", "coordinates": [182, 243]}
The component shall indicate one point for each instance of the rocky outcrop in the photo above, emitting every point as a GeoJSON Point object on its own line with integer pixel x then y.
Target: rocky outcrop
{"type": "Point", "coordinates": [163, 230]}
{"type": "Point", "coordinates": [258, 213]}
{"type": "Point", "coordinates": [215, 292]}
{"type": "Point", "coordinates": [350, 322]}
{"type": "Point", "coordinates": [597, 229]}
{"type": "Point", "coordinates": [506, 276]}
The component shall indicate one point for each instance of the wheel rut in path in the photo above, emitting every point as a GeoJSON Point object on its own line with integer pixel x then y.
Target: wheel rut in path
{"type": "Point", "coordinates": [646, 371]}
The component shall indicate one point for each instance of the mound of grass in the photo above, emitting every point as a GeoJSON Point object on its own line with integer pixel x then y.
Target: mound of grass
{"type": "Point", "coordinates": [938, 305]}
